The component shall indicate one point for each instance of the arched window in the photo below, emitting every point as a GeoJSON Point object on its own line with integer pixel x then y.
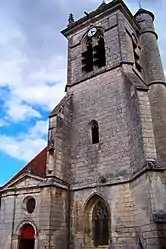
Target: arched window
{"type": "Point", "coordinates": [94, 52]}
{"type": "Point", "coordinates": [94, 132]}
{"type": "Point", "coordinates": [97, 222]}
{"type": "Point", "coordinates": [100, 219]}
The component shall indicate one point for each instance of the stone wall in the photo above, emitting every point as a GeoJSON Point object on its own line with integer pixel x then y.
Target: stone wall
{"type": "Point", "coordinates": [148, 192]}
{"type": "Point", "coordinates": [106, 99]}
{"type": "Point", "coordinates": [121, 223]}
{"type": "Point", "coordinates": [13, 215]}
{"type": "Point", "coordinates": [58, 156]}
{"type": "Point", "coordinates": [6, 221]}
{"type": "Point", "coordinates": [137, 213]}
{"type": "Point", "coordinates": [157, 98]}
{"type": "Point", "coordinates": [49, 219]}
{"type": "Point", "coordinates": [59, 219]}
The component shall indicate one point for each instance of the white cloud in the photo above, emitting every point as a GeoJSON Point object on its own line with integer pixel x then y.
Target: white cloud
{"type": "Point", "coordinates": [43, 87]}
{"type": "Point", "coordinates": [27, 76]}
{"type": "Point", "coordinates": [26, 145]}
{"type": "Point", "coordinates": [24, 149]}
{"type": "Point", "coordinates": [40, 129]}
{"type": "Point", "coordinates": [3, 123]}
{"type": "Point", "coordinates": [18, 111]}
{"type": "Point", "coordinates": [34, 74]}
{"type": "Point", "coordinates": [34, 88]}
{"type": "Point", "coordinates": [38, 90]}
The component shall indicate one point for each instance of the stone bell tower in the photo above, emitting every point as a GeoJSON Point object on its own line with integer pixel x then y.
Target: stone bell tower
{"type": "Point", "coordinates": [105, 137]}
{"type": "Point", "coordinates": [104, 73]}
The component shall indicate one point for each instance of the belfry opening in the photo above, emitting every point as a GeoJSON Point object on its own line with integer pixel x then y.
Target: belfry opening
{"type": "Point", "coordinates": [27, 237]}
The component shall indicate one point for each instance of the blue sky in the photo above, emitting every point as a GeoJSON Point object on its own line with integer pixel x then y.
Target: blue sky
{"type": "Point", "coordinates": [33, 70]}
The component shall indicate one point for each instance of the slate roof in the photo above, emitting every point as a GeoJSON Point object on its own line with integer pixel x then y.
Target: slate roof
{"type": "Point", "coordinates": [142, 11]}
{"type": "Point", "coordinates": [37, 166]}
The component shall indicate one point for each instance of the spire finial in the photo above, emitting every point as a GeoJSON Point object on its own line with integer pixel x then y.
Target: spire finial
{"type": "Point", "coordinates": [70, 19]}
{"type": "Point", "coordinates": [140, 4]}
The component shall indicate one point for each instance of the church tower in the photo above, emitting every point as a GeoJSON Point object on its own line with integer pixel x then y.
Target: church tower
{"type": "Point", "coordinates": [116, 90]}
{"type": "Point", "coordinates": [106, 137]}
{"type": "Point", "coordinates": [100, 182]}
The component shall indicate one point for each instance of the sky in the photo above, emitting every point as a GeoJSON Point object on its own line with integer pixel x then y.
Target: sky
{"type": "Point", "coordinates": [33, 59]}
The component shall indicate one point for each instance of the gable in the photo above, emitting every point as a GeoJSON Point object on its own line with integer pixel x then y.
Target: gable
{"type": "Point", "coordinates": [37, 167]}
{"type": "Point", "coordinates": [25, 180]}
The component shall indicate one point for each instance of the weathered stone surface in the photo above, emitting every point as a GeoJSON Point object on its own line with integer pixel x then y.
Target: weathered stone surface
{"type": "Point", "coordinates": [125, 170]}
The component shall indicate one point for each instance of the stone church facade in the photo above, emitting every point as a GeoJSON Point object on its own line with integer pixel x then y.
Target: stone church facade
{"type": "Point", "coordinates": [100, 182]}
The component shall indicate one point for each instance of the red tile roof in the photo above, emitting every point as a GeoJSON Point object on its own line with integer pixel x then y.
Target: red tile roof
{"type": "Point", "coordinates": [37, 165]}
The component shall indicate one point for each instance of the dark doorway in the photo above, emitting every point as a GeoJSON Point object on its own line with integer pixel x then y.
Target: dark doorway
{"type": "Point", "coordinates": [26, 244]}
{"type": "Point", "coordinates": [27, 240]}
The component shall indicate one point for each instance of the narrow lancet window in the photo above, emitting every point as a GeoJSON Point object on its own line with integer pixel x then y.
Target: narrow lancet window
{"type": "Point", "coordinates": [87, 57]}
{"type": "Point", "coordinates": [99, 53]}
{"type": "Point", "coordinates": [94, 132]}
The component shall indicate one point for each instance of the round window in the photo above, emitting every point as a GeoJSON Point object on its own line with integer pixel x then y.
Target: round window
{"type": "Point", "coordinates": [30, 205]}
